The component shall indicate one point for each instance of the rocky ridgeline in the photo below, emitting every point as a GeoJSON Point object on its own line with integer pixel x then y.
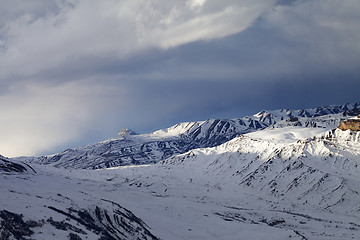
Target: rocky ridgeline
{"type": "Point", "coordinates": [352, 124]}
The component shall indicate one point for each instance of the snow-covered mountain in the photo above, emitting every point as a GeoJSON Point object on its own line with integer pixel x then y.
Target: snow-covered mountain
{"type": "Point", "coordinates": [272, 117]}
{"type": "Point", "coordinates": [276, 183]}
{"type": "Point", "coordinates": [322, 170]}
{"type": "Point", "coordinates": [47, 205]}
{"type": "Point", "coordinates": [309, 187]}
{"type": "Point", "coordinates": [150, 148]}
{"type": "Point", "coordinates": [296, 179]}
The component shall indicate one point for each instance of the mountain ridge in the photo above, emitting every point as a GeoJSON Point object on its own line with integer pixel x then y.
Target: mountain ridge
{"type": "Point", "coordinates": [182, 137]}
{"type": "Point", "coordinates": [296, 179]}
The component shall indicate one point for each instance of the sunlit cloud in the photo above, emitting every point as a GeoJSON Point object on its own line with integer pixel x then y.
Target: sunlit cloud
{"type": "Point", "coordinates": [96, 28]}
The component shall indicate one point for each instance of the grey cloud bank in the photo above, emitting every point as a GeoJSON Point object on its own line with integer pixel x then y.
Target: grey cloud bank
{"type": "Point", "coordinates": [75, 72]}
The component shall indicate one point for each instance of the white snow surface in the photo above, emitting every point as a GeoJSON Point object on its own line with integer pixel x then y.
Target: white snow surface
{"type": "Point", "coordinates": [286, 134]}
{"type": "Point", "coordinates": [289, 183]}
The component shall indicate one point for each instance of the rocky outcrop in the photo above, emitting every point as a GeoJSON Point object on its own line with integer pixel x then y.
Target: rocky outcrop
{"type": "Point", "coordinates": [110, 221]}
{"type": "Point", "coordinates": [126, 132]}
{"type": "Point", "coordinates": [7, 166]}
{"type": "Point", "coordinates": [352, 124]}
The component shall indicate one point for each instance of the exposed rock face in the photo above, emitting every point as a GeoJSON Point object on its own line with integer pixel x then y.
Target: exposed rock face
{"type": "Point", "coordinates": [352, 112]}
{"type": "Point", "coordinates": [126, 132]}
{"type": "Point", "coordinates": [352, 124]}
{"type": "Point", "coordinates": [12, 167]}
{"type": "Point", "coordinates": [110, 221]}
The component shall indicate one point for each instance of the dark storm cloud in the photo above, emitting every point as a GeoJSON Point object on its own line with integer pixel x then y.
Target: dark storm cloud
{"type": "Point", "coordinates": [82, 70]}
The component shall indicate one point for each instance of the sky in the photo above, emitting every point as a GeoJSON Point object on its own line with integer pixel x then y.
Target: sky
{"type": "Point", "coordinates": [75, 72]}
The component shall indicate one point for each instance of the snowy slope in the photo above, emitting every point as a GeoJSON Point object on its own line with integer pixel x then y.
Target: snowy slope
{"type": "Point", "coordinates": [84, 204]}
{"type": "Point", "coordinates": [47, 205]}
{"type": "Point", "coordinates": [9, 166]}
{"type": "Point", "coordinates": [329, 162]}
{"type": "Point", "coordinates": [277, 183]}
{"type": "Point", "coordinates": [310, 186]}
{"type": "Point", "coordinates": [159, 145]}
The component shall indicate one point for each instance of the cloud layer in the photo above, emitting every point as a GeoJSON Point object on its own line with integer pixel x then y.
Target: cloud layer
{"type": "Point", "coordinates": [34, 42]}
{"type": "Point", "coordinates": [76, 71]}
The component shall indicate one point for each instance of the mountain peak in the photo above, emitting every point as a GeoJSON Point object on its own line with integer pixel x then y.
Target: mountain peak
{"type": "Point", "coordinates": [126, 132]}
